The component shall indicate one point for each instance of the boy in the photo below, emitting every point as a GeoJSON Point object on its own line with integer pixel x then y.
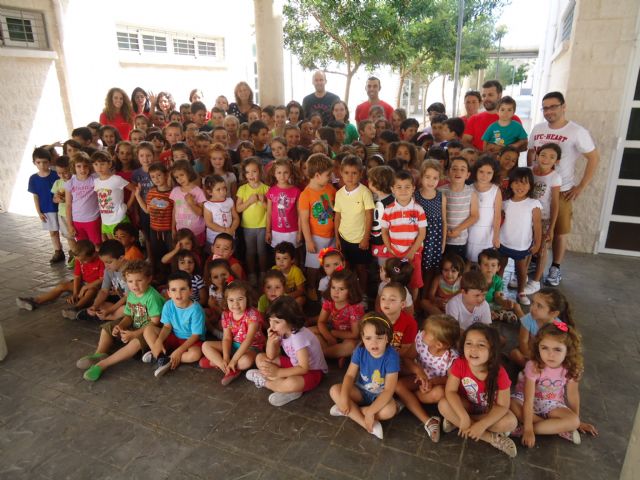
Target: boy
{"type": "Point", "coordinates": [183, 328]}
{"type": "Point", "coordinates": [259, 133]}
{"type": "Point", "coordinates": [40, 185]}
{"type": "Point", "coordinates": [201, 152]}
{"type": "Point", "coordinates": [408, 129]}
{"type": "Point", "coordinates": [285, 253]}
{"type": "Point", "coordinates": [172, 134]}
{"type": "Point", "coordinates": [267, 115]}
{"type": "Point", "coordinates": [223, 248]}
{"type": "Point", "coordinates": [437, 124]}
{"type": "Point", "coordinates": [386, 138]}
{"type": "Point", "coordinates": [143, 306]}
{"type": "Point", "coordinates": [470, 306]}
{"type": "Point", "coordinates": [199, 116]}
{"type": "Point", "coordinates": [185, 112]}
{"type": "Point", "coordinates": [315, 214]}
{"type": "Point", "coordinates": [451, 131]}
{"type": "Point", "coordinates": [87, 278]}
{"type": "Point", "coordinates": [404, 226]}
{"type": "Point", "coordinates": [392, 304]}
{"type": "Point", "coordinates": [505, 131]}
{"type": "Point", "coordinates": [328, 134]}
{"type": "Point", "coordinates": [82, 135]}
{"type": "Point", "coordinates": [380, 183]}
{"type": "Point", "coordinates": [292, 136]}
{"type": "Point", "coordinates": [64, 175]}
{"type": "Point", "coordinates": [127, 235]}
{"type": "Point", "coordinates": [502, 308]}
{"type": "Point", "coordinates": [353, 217]}
{"type": "Point", "coordinates": [455, 148]}
{"type": "Point", "coordinates": [217, 117]}
{"type": "Point", "coordinates": [136, 136]}
{"type": "Point", "coordinates": [367, 132]}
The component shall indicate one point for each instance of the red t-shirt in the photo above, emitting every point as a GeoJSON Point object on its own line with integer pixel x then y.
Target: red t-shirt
{"type": "Point", "coordinates": [119, 123]}
{"type": "Point", "coordinates": [405, 330]}
{"type": "Point", "coordinates": [362, 110]}
{"type": "Point", "coordinates": [166, 158]}
{"type": "Point", "coordinates": [478, 124]}
{"type": "Point", "coordinates": [89, 271]}
{"type": "Point", "coordinates": [472, 387]}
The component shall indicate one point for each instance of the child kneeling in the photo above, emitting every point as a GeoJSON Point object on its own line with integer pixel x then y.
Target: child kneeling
{"type": "Point", "coordinates": [301, 368]}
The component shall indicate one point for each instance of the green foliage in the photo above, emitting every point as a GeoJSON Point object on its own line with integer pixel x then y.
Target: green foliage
{"type": "Point", "coordinates": [508, 73]}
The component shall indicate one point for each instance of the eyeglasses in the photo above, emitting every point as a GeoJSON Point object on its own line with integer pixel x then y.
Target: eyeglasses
{"type": "Point", "coordinates": [551, 107]}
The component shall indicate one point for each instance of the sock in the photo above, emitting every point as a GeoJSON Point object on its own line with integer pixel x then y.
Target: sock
{"type": "Point", "coordinates": [554, 264]}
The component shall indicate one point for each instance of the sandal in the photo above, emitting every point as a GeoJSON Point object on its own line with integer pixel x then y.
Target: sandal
{"type": "Point", "coordinates": [432, 426]}
{"type": "Point", "coordinates": [504, 444]}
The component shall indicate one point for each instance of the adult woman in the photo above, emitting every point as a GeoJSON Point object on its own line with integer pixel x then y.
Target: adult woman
{"type": "Point", "coordinates": [141, 102]}
{"type": "Point", "coordinates": [340, 112]}
{"type": "Point", "coordinates": [118, 112]}
{"type": "Point", "coordinates": [244, 102]}
{"type": "Point", "coordinates": [165, 103]}
{"type": "Point", "coordinates": [472, 101]}
{"type": "Point", "coordinates": [294, 110]}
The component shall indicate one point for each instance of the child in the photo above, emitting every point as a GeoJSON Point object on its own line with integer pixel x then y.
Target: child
{"type": "Point", "coordinates": [252, 204]}
{"type": "Point", "coordinates": [521, 231]}
{"type": "Point", "coordinates": [504, 309]}
{"type": "Point", "coordinates": [87, 278]}
{"type": "Point", "coordinates": [278, 148]}
{"type": "Point", "coordinates": [243, 338]}
{"type": "Point", "coordinates": [279, 121]}
{"type": "Point", "coordinates": [354, 217]}
{"type": "Point", "coordinates": [548, 305]}
{"type": "Point", "coordinates": [127, 235]}
{"type": "Point", "coordinates": [315, 212]}
{"type": "Point", "coordinates": [188, 200]}
{"type": "Point", "coordinates": [220, 214]}
{"type": "Point", "coordinates": [331, 260]}
{"type": "Point", "coordinates": [434, 204]}
{"type": "Point", "coordinates": [404, 227]}
{"type": "Point", "coordinates": [125, 163]}
{"type": "Point", "coordinates": [185, 261]}
{"type": "Point", "coordinates": [259, 134]}
{"type": "Point", "coordinates": [223, 248]}
{"type": "Point", "coordinates": [462, 206]}
{"type": "Point", "coordinates": [282, 215]}
{"type": "Point", "coordinates": [380, 183]}
{"type": "Point", "coordinates": [273, 286]}
{"type": "Point", "coordinates": [183, 240]}
{"type": "Point", "coordinates": [83, 213]}
{"type": "Point", "coordinates": [470, 306]}
{"type": "Point", "coordinates": [143, 306]}
{"type": "Point", "coordinates": [64, 175]}
{"type": "Point", "coordinates": [477, 392]}
{"type": "Point", "coordinates": [180, 339]}
{"type": "Point", "coordinates": [285, 254]}
{"type": "Point", "coordinates": [109, 189]}
{"type": "Point", "coordinates": [506, 131]}
{"type": "Point", "coordinates": [367, 133]}
{"type": "Point", "coordinates": [220, 164]}
{"type": "Point", "coordinates": [218, 276]}
{"type": "Point", "coordinates": [471, 154]}
{"type": "Point", "coordinates": [366, 393]}
{"type": "Point", "coordinates": [40, 186]}
{"type": "Point", "coordinates": [397, 271]}
{"type": "Point", "coordinates": [485, 233]}
{"type": "Point", "coordinates": [342, 308]}
{"type": "Point", "coordinates": [508, 159]}
{"type": "Point", "coordinates": [301, 368]}
{"type": "Point", "coordinates": [109, 302]}
{"type": "Point", "coordinates": [445, 285]}
{"type": "Point", "coordinates": [142, 178]}
{"type": "Point", "coordinates": [539, 400]}
{"type": "Point", "coordinates": [393, 300]}
{"type": "Point", "coordinates": [429, 360]}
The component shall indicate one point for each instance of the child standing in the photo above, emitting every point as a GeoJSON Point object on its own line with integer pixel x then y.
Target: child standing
{"type": "Point", "coordinates": [64, 175]}
{"type": "Point", "coordinates": [285, 253]}
{"type": "Point", "coordinates": [109, 189]}
{"type": "Point", "coordinates": [188, 200]}
{"type": "Point", "coordinates": [220, 214]}
{"type": "Point", "coordinates": [220, 164]}
{"type": "Point", "coordinates": [282, 214]}
{"type": "Point", "coordinates": [380, 183]}
{"type": "Point", "coordinates": [366, 392]}
{"type": "Point", "coordinates": [508, 159]}
{"type": "Point", "coordinates": [301, 368]}
{"type": "Point", "coordinates": [506, 131]}
{"type": "Point", "coordinates": [83, 214]}
{"type": "Point", "coordinates": [142, 178]}
{"type": "Point", "coordinates": [367, 132]}
{"type": "Point", "coordinates": [470, 306]}
{"type": "Point", "coordinates": [185, 261]}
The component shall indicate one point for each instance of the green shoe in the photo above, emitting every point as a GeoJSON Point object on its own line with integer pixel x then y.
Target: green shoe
{"type": "Point", "coordinates": [89, 360]}
{"type": "Point", "coordinates": [93, 373]}
{"type": "Point", "coordinates": [71, 263]}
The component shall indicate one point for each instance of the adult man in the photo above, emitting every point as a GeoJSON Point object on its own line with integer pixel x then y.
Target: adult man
{"type": "Point", "coordinates": [574, 141]}
{"type": "Point", "coordinates": [478, 123]}
{"type": "Point", "coordinates": [320, 100]}
{"type": "Point", "coordinates": [373, 90]}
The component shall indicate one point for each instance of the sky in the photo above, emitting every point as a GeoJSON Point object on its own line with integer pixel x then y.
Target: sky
{"type": "Point", "coordinates": [526, 21]}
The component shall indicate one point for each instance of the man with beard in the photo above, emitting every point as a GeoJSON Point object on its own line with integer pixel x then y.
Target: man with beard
{"type": "Point", "coordinates": [478, 123]}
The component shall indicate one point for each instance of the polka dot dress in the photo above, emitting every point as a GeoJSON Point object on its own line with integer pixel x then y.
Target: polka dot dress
{"type": "Point", "coordinates": [432, 251]}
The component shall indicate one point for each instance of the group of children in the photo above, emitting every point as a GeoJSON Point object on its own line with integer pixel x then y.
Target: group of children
{"type": "Point", "coordinates": [311, 221]}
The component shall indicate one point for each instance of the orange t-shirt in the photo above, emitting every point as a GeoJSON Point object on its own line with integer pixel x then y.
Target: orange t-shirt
{"type": "Point", "coordinates": [133, 253]}
{"type": "Point", "coordinates": [319, 203]}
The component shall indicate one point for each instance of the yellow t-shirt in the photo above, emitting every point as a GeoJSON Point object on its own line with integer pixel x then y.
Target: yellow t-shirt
{"type": "Point", "coordinates": [351, 206]}
{"type": "Point", "coordinates": [295, 278]}
{"type": "Point", "coordinates": [256, 215]}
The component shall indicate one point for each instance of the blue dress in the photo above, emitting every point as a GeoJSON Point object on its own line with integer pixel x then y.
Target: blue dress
{"type": "Point", "coordinates": [432, 250]}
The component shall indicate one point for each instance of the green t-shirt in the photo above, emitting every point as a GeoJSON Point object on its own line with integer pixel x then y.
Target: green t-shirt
{"type": "Point", "coordinates": [351, 134]}
{"type": "Point", "coordinates": [263, 304]}
{"type": "Point", "coordinates": [58, 185]}
{"type": "Point", "coordinates": [141, 309]}
{"type": "Point", "coordinates": [496, 286]}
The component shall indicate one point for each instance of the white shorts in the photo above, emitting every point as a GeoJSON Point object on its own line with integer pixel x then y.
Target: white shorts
{"type": "Point", "coordinates": [278, 237]}
{"type": "Point", "coordinates": [311, 260]}
{"type": "Point", "coordinates": [51, 225]}
{"type": "Point", "coordinates": [64, 229]}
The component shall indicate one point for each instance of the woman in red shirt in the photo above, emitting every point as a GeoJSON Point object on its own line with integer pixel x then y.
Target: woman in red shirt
{"type": "Point", "coordinates": [118, 112]}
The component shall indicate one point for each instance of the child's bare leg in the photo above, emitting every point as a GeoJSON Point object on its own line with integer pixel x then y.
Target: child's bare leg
{"type": "Point", "coordinates": [54, 293]}
{"type": "Point", "coordinates": [518, 357]}
{"type": "Point", "coordinates": [55, 240]}
{"type": "Point", "coordinates": [340, 350]}
{"type": "Point", "coordinates": [521, 274]}
{"type": "Point", "coordinates": [72, 245]}
{"type": "Point", "coordinates": [433, 396]}
{"type": "Point", "coordinates": [213, 351]}
{"type": "Point", "coordinates": [115, 315]}
{"type": "Point", "coordinates": [86, 298]}
{"type": "Point", "coordinates": [105, 341]}
{"type": "Point", "coordinates": [125, 353]}
{"type": "Point", "coordinates": [559, 420]}
{"type": "Point", "coordinates": [312, 278]}
{"type": "Point", "coordinates": [404, 390]}
{"type": "Point", "coordinates": [507, 423]}
{"type": "Point", "coordinates": [246, 361]}
{"type": "Point", "coordinates": [361, 271]}
{"type": "Point", "coordinates": [445, 409]}
{"type": "Point", "coordinates": [150, 334]}
{"type": "Point", "coordinates": [286, 385]}
{"type": "Point", "coordinates": [192, 355]}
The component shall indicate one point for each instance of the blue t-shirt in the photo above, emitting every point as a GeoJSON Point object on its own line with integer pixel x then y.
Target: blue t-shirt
{"type": "Point", "coordinates": [184, 321]}
{"type": "Point", "coordinates": [504, 136]}
{"type": "Point", "coordinates": [529, 324]}
{"type": "Point", "coordinates": [374, 370]}
{"type": "Point", "coordinates": [42, 186]}
{"type": "Point", "coordinates": [143, 179]}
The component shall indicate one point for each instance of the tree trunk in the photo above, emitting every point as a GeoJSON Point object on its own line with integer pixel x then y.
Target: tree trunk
{"type": "Point", "coordinates": [350, 73]}
{"type": "Point", "coordinates": [400, 87]}
{"type": "Point", "coordinates": [424, 102]}
{"type": "Point", "coordinates": [444, 80]}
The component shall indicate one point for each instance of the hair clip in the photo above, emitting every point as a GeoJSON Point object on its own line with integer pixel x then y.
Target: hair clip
{"type": "Point", "coordinates": [324, 252]}
{"type": "Point", "coordinates": [396, 269]}
{"type": "Point", "coordinates": [386, 322]}
{"type": "Point", "coordinates": [404, 260]}
{"type": "Point", "coordinates": [339, 268]}
{"type": "Point", "coordinates": [561, 326]}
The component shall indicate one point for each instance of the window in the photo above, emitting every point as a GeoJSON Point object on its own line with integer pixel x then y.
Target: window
{"type": "Point", "coordinates": [141, 40]}
{"type": "Point", "coordinates": [23, 29]}
{"type": "Point", "coordinates": [128, 41]}
{"type": "Point", "coordinates": [567, 23]}
{"type": "Point", "coordinates": [153, 43]}
{"type": "Point", "coordinates": [184, 47]}
{"type": "Point", "coordinates": [207, 48]}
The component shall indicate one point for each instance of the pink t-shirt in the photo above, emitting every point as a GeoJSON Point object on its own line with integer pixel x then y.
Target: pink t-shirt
{"type": "Point", "coordinates": [304, 338]}
{"type": "Point", "coordinates": [342, 319]}
{"type": "Point", "coordinates": [472, 387]}
{"type": "Point", "coordinates": [239, 328]}
{"type": "Point", "coordinates": [550, 382]}
{"type": "Point", "coordinates": [84, 205]}
{"type": "Point", "coordinates": [284, 212]}
{"type": "Point", "coordinates": [185, 218]}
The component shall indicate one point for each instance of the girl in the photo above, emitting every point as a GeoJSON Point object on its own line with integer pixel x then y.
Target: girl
{"type": "Point", "coordinates": [517, 238]}
{"type": "Point", "coordinates": [109, 136]}
{"type": "Point", "coordinates": [246, 150]}
{"type": "Point", "coordinates": [185, 261]}
{"type": "Point", "coordinates": [395, 270]}
{"type": "Point", "coordinates": [485, 233]}
{"type": "Point", "coordinates": [429, 361]}
{"type": "Point", "coordinates": [83, 213]}
{"type": "Point", "coordinates": [477, 392]}
{"type": "Point", "coordinates": [508, 159]}
{"type": "Point", "coordinates": [366, 392]}
{"type": "Point", "coordinates": [434, 204]}
{"type": "Point", "coordinates": [539, 401]}
{"type": "Point", "coordinates": [165, 103]}
{"type": "Point", "coordinates": [380, 182]}
{"type": "Point", "coordinates": [340, 112]}
{"type": "Point", "coordinates": [184, 240]}
{"type": "Point", "coordinates": [252, 204]}
{"type": "Point", "coordinates": [331, 260]}
{"type": "Point", "coordinates": [142, 122]}
{"type": "Point", "coordinates": [548, 305]}
{"type": "Point", "coordinates": [294, 110]}
{"type": "Point", "coordinates": [280, 120]}
{"type": "Point", "coordinates": [404, 151]}
{"type": "Point", "coordinates": [445, 286]}
{"type": "Point", "coordinates": [142, 178]}
{"type": "Point", "coordinates": [242, 334]}
{"type": "Point", "coordinates": [360, 151]}
{"type": "Point", "coordinates": [282, 197]}
{"type": "Point", "coordinates": [118, 112]}
{"type": "Point", "coordinates": [316, 122]}
{"type": "Point", "coordinates": [188, 201]}
{"type": "Point", "coordinates": [109, 189]}
{"type": "Point", "coordinates": [218, 275]}
{"type": "Point", "coordinates": [301, 368]}
{"type": "Point", "coordinates": [393, 299]}
{"type": "Point", "coordinates": [157, 140]}
{"type": "Point", "coordinates": [273, 286]}
{"type": "Point", "coordinates": [125, 163]}
{"type": "Point", "coordinates": [342, 308]}
{"type": "Point", "coordinates": [220, 214]}
{"type": "Point", "coordinates": [222, 103]}
{"type": "Point", "coordinates": [140, 102]}
{"type": "Point", "coordinates": [399, 115]}
{"type": "Point", "coordinates": [220, 164]}
{"type": "Point", "coordinates": [279, 147]}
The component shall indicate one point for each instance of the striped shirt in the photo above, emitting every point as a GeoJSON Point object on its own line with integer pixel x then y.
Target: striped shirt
{"type": "Point", "coordinates": [160, 208]}
{"type": "Point", "coordinates": [458, 209]}
{"type": "Point", "coordinates": [403, 223]}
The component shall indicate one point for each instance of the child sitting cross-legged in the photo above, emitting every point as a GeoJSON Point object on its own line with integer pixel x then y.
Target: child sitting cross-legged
{"type": "Point", "coordinates": [396, 270]}
{"type": "Point", "coordinates": [301, 368]}
{"type": "Point", "coordinates": [470, 306]}
{"type": "Point", "coordinates": [181, 336]}
{"type": "Point", "coordinates": [393, 300]}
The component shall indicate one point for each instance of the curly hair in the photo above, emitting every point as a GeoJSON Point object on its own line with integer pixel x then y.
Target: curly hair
{"type": "Point", "coordinates": [294, 177]}
{"type": "Point", "coordinates": [573, 361]}
{"type": "Point", "coordinates": [110, 110]}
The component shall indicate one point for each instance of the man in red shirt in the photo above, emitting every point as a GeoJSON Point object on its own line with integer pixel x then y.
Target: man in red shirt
{"type": "Point", "coordinates": [373, 89]}
{"type": "Point", "coordinates": [477, 124]}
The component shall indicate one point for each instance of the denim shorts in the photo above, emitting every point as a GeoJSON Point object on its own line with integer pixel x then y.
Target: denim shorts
{"type": "Point", "coordinates": [367, 397]}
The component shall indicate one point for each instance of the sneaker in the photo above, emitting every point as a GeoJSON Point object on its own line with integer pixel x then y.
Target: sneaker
{"type": "Point", "coordinates": [147, 357]}
{"type": "Point", "coordinates": [573, 437]}
{"type": "Point", "coordinates": [205, 363]}
{"type": "Point", "coordinates": [230, 377]}
{"type": "Point", "coordinates": [335, 411]}
{"type": "Point", "coordinates": [507, 316]}
{"type": "Point", "coordinates": [26, 303]}
{"type": "Point", "coordinates": [70, 313]}
{"type": "Point", "coordinates": [523, 299]}
{"type": "Point", "coordinates": [447, 426]}
{"type": "Point", "coordinates": [256, 377]}
{"type": "Point", "coordinates": [58, 257]}
{"type": "Point", "coordinates": [554, 276]}
{"type": "Point", "coordinates": [84, 316]}
{"type": "Point", "coordinates": [513, 282]}
{"type": "Point", "coordinates": [71, 263]}
{"type": "Point", "coordinates": [89, 360]}
{"type": "Point", "coordinates": [432, 426]}
{"type": "Point", "coordinates": [93, 373]}
{"type": "Point", "coordinates": [531, 287]}
{"type": "Point", "coordinates": [279, 399]}
{"type": "Point", "coordinates": [164, 364]}
{"type": "Point", "coordinates": [377, 430]}
{"type": "Point", "coordinates": [504, 444]}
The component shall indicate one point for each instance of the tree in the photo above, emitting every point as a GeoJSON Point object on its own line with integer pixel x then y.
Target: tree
{"type": "Point", "coordinates": [506, 72]}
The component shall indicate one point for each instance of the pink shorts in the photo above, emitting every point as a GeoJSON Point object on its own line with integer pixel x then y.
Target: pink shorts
{"type": "Point", "coordinates": [311, 379]}
{"type": "Point", "coordinates": [416, 278]}
{"type": "Point", "coordinates": [172, 342]}
{"type": "Point", "coordinates": [91, 231]}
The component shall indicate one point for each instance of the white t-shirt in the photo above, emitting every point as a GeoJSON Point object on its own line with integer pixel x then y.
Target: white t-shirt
{"type": "Point", "coordinates": [542, 186]}
{"type": "Point", "coordinates": [465, 318]}
{"type": "Point", "coordinates": [221, 214]}
{"type": "Point", "coordinates": [517, 229]}
{"type": "Point", "coordinates": [111, 199]}
{"type": "Point", "coordinates": [573, 140]}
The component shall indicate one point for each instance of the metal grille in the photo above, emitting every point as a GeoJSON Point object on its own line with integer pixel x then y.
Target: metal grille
{"type": "Point", "coordinates": [128, 41]}
{"type": "Point", "coordinates": [153, 43]}
{"type": "Point", "coordinates": [567, 23]}
{"type": "Point", "coordinates": [184, 47]}
{"type": "Point", "coordinates": [22, 29]}
{"type": "Point", "coordinates": [207, 48]}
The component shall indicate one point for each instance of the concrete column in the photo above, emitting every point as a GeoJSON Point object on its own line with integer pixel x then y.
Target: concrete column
{"type": "Point", "coordinates": [269, 45]}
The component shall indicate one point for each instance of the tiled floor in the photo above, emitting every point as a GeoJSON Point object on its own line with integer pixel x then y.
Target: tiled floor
{"type": "Point", "coordinates": [55, 425]}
